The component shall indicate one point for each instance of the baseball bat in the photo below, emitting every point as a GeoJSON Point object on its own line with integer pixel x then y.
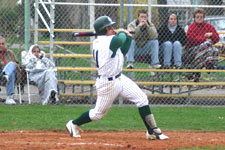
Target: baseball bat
{"type": "Point", "coordinates": [82, 34]}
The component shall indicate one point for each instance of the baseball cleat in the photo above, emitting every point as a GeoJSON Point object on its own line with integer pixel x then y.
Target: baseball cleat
{"type": "Point", "coordinates": [157, 134]}
{"type": "Point", "coordinates": [163, 137]}
{"type": "Point", "coordinates": [73, 129]}
{"type": "Point", "coordinates": [150, 136]}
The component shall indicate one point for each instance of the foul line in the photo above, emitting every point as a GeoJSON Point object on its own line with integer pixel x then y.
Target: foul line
{"type": "Point", "coordinates": [91, 143]}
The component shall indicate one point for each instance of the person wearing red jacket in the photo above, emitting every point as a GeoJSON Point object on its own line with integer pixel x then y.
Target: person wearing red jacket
{"type": "Point", "coordinates": [199, 34]}
{"type": "Point", "coordinates": [200, 31]}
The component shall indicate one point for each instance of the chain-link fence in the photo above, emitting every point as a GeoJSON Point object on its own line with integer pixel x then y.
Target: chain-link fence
{"type": "Point", "coordinates": [171, 83]}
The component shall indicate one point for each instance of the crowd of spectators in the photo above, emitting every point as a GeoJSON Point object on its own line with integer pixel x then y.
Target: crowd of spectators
{"type": "Point", "coordinates": [170, 47]}
{"type": "Point", "coordinates": [167, 47]}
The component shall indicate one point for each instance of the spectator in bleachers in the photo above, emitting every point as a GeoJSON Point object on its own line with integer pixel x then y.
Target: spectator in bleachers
{"type": "Point", "coordinates": [172, 38]}
{"type": "Point", "coordinates": [9, 71]}
{"type": "Point", "coordinates": [42, 72]}
{"type": "Point", "coordinates": [144, 40]}
{"type": "Point", "coordinates": [200, 36]}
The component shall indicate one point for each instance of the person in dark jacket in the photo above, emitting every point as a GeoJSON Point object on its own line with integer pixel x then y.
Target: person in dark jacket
{"type": "Point", "coordinates": [172, 38]}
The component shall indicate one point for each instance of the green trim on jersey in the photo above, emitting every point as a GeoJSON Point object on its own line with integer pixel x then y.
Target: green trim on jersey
{"type": "Point", "coordinates": [121, 41]}
{"type": "Point", "coordinates": [126, 45]}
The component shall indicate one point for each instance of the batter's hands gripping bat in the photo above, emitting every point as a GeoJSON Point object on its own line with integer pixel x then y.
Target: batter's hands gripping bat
{"type": "Point", "coordinates": [91, 33]}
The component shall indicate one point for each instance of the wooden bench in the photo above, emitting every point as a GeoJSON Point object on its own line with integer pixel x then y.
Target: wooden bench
{"type": "Point", "coordinates": [64, 83]}
{"type": "Point", "coordinates": [58, 55]}
{"type": "Point", "coordinates": [139, 69]}
{"type": "Point", "coordinates": [64, 43]}
{"type": "Point", "coordinates": [84, 43]}
{"type": "Point", "coordinates": [72, 55]}
{"type": "Point", "coordinates": [188, 95]}
{"type": "Point", "coordinates": [142, 83]}
{"type": "Point", "coordinates": [171, 84]}
{"type": "Point", "coordinates": [85, 69]}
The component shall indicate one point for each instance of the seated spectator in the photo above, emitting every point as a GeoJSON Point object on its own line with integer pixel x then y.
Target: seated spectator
{"type": "Point", "coordinates": [200, 36]}
{"type": "Point", "coordinates": [9, 71]}
{"type": "Point", "coordinates": [145, 40]}
{"type": "Point", "coordinates": [41, 72]}
{"type": "Point", "coordinates": [172, 38]}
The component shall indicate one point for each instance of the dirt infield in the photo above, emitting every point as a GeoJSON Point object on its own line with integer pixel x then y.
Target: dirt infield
{"type": "Point", "coordinates": [91, 140]}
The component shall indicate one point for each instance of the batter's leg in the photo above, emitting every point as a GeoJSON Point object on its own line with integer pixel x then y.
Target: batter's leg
{"type": "Point", "coordinates": [102, 106]}
{"type": "Point", "coordinates": [133, 93]}
{"type": "Point", "coordinates": [94, 114]}
{"type": "Point", "coordinates": [107, 91]}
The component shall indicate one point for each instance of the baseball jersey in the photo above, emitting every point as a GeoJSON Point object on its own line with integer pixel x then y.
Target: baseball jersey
{"type": "Point", "coordinates": [109, 52]}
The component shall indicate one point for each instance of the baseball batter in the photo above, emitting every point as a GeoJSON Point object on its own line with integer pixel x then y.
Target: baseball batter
{"type": "Point", "coordinates": [109, 50]}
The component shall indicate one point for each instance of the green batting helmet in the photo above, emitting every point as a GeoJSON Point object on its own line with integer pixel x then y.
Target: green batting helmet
{"type": "Point", "coordinates": [101, 23]}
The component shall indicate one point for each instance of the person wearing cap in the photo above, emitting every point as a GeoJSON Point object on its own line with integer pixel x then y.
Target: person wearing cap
{"type": "Point", "coordinates": [109, 50]}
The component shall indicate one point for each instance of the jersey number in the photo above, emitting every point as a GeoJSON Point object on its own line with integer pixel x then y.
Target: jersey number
{"type": "Point", "coordinates": [95, 55]}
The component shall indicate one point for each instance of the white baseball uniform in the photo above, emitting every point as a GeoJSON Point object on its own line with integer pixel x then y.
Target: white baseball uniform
{"type": "Point", "coordinates": [109, 52]}
{"type": "Point", "coordinates": [110, 82]}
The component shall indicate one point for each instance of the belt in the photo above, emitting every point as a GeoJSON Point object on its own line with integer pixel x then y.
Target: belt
{"type": "Point", "coordinates": [111, 78]}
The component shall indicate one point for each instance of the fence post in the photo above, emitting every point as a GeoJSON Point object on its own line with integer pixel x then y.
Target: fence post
{"type": "Point", "coordinates": [52, 26]}
{"type": "Point", "coordinates": [149, 9]}
{"type": "Point", "coordinates": [27, 23]}
{"type": "Point", "coordinates": [36, 7]}
{"type": "Point", "coordinates": [130, 12]}
{"type": "Point", "coordinates": [92, 20]}
{"type": "Point", "coordinates": [121, 13]}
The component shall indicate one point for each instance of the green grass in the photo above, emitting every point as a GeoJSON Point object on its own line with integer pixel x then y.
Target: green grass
{"type": "Point", "coordinates": [37, 117]}
{"type": "Point", "coordinates": [217, 147]}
